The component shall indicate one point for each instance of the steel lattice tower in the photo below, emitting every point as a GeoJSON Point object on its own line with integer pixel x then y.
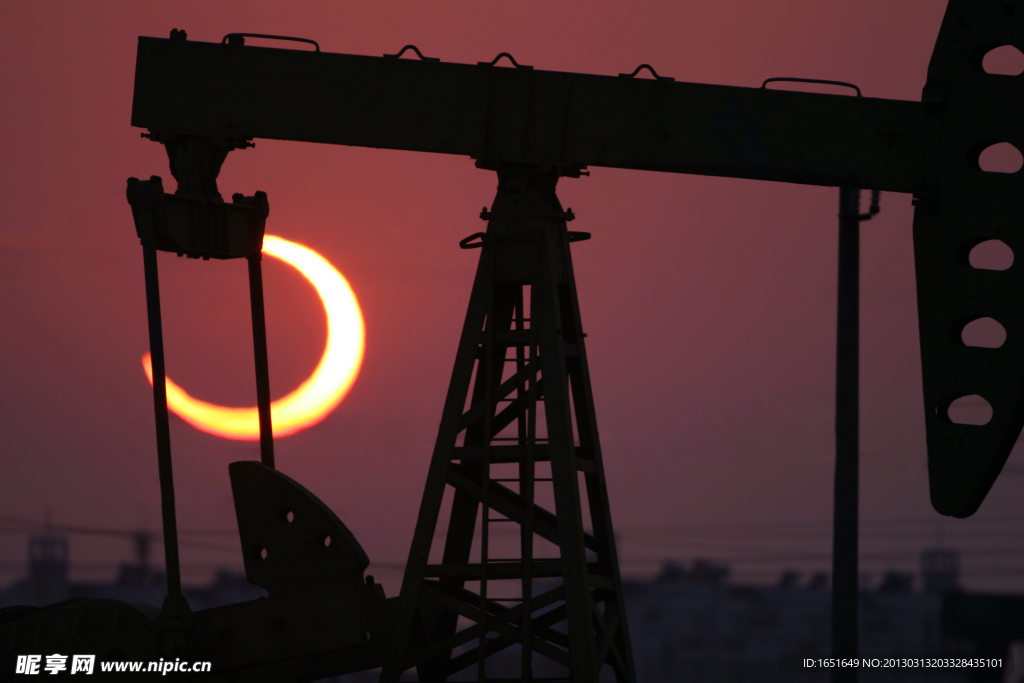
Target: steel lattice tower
{"type": "Point", "coordinates": [518, 436]}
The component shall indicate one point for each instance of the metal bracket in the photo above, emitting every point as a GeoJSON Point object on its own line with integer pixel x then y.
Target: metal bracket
{"type": "Point", "coordinates": [649, 68]}
{"type": "Point", "coordinates": [469, 243]}
{"type": "Point", "coordinates": [873, 210]}
{"type": "Point", "coordinates": [418, 53]}
{"type": "Point", "coordinates": [567, 215]}
{"type": "Point", "coordinates": [510, 58]}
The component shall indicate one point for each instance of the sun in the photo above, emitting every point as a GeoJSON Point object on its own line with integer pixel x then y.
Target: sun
{"type": "Point", "coordinates": [322, 391]}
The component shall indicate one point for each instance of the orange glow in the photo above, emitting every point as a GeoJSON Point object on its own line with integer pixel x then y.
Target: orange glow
{"type": "Point", "coordinates": [322, 391]}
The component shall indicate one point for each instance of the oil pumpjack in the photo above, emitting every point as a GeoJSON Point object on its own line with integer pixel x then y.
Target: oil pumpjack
{"type": "Point", "coordinates": [518, 428]}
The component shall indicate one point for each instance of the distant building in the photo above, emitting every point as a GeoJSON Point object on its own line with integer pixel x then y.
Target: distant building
{"type": "Point", "coordinates": [137, 582]}
{"type": "Point", "coordinates": [690, 625]}
{"type": "Point", "coordinates": [940, 569]}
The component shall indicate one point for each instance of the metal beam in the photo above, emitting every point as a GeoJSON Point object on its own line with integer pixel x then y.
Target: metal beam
{"type": "Point", "coordinates": [235, 92]}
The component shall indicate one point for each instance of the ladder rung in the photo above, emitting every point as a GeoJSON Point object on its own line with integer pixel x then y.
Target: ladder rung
{"type": "Point", "coordinates": [540, 568]}
{"type": "Point", "coordinates": [500, 454]}
{"type": "Point", "coordinates": [516, 438]}
{"type": "Point", "coordinates": [513, 338]}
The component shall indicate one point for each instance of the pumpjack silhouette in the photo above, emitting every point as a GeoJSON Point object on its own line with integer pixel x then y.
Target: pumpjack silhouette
{"type": "Point", "coordinates": [518, 441]}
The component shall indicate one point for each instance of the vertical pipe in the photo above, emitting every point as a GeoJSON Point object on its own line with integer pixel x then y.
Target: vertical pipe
{"type": "Point", "coordinates": [527, 426]}
{"type": "Point", "coordinates": [844, 520]}
{"type": "Point", "coordinates": [163, 431]}
{"type": "Point", "coordinates": [259, 347]}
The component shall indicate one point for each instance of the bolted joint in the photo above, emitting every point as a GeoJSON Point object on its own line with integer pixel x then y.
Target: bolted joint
{"type": "Point", "coordinates": [195, 164]}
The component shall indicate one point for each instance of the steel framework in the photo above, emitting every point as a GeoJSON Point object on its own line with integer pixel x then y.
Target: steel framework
{"type": "Point", "coordinates": [518, 444]}
{"type": "Point", "coordinates": [519, 402]}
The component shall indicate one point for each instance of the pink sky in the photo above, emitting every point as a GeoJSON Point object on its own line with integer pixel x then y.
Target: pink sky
{"type": "Point", "coordinates": [709, 303]}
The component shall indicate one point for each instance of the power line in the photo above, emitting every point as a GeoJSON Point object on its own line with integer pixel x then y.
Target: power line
{"type": "Point", "coordinates": [26, 525]}
{"type": "Point", "coordinates": [795, 527]}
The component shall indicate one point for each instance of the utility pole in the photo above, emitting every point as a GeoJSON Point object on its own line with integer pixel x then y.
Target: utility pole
{"type": "Point", "coordinates": [847, 475]}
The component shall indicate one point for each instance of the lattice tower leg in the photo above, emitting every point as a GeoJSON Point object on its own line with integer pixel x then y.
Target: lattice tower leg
{"type": "Point", "coordinates": [519, 406]}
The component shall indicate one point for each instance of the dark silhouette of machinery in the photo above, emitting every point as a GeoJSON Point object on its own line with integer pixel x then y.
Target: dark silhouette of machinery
{"type": "Point", "coordinates": [519, 417]}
